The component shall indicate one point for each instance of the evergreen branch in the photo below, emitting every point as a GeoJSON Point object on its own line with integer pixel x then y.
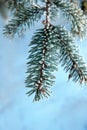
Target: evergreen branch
{"type": "Point", "coordinates": [42, 62]}
{"type": "Point", "coordinates": [26, 16]}
{"type": "Point", "coordinates": [69, 56]}
{"type": "Point", "coordinates": [74, 15]}
{"type": "Point", "coordinates": [50, 45]}
{"type": "Point", "coordinates": [48, 48]}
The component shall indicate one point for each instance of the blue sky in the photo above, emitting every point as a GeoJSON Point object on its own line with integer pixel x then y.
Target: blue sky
{"type": "Point", "coordinates": [66, 109]}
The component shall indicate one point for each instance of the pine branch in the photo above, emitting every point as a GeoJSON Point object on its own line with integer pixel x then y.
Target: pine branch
{"type": "Point", "coordinates": [69, 56]}
{"type": "Point", "coordinates": [48, 47]}
{"type": "Point", "coordinates": [42, 63]}
{"type": "Point", "coordinates": [74, 15]}
{"type": "Point", "coordinates": [26, 16]}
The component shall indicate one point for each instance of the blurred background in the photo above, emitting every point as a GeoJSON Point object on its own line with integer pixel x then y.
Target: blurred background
{"type": "Point", "coordinates": [66, 109]}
